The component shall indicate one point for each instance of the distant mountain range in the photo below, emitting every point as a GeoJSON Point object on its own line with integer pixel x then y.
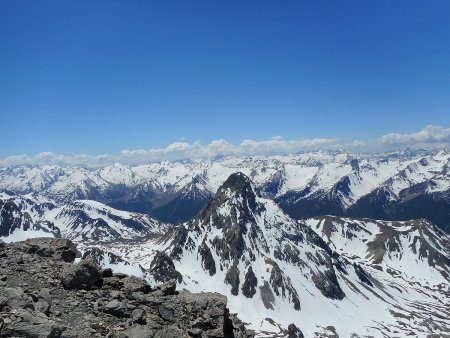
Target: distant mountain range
{"type": "Point", "coordinates": [400, 185]}
{"type": "Point", "coordinates": [329, 275]}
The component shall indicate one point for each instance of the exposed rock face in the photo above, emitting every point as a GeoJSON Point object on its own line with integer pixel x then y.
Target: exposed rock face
{"type": "Point", "coordinates": [281, 284]}
{"type": "Point", "coordinates": [207, 259]}
{"type": "Point", "coordinates": [35, 303]}
{"type": "Point", "coordinates": [232, 278]}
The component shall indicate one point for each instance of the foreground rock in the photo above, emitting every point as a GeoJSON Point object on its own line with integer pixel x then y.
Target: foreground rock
{"type": "Point", "coordinates": [82, 275]}
{"type": "Point", "coordinates": [43, 295]}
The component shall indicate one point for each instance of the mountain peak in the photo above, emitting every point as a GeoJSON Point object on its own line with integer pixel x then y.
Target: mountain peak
{"type": "Point", "coordinates": [238, 185]}
{"type": "Point", "coordinates": [236, 193]}
{"type": "Point", "coordinates": [236, 179]}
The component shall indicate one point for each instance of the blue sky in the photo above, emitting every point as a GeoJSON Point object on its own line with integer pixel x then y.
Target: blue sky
{"type": "Point", "coordinates": [98, 77]}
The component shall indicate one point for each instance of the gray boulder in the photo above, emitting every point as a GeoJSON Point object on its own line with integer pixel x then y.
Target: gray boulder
{"type": "Point", "coordinates": [117, 308]}
{"type": "Point", "coordinates": [15, 298]}
{"type": "Point", "coordinates": [82, 275]}
{"type": "Point", "coordinates": [138, 316]}
{"type": "Point", "coordinates": [138, 331]}
{"type": "Point", "coordinates": [135, 284]}
{"type": "Point", "coordinates": [168, 288]}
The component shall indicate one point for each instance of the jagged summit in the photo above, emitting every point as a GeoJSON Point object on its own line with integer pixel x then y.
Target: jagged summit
{"type": "Point", "coordinates": [238, 182]}
{"type": "Point", "coordinates": [237, 191]}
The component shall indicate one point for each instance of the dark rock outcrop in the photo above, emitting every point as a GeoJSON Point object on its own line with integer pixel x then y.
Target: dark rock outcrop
{"type": "Point", "coordinates": [163, 269]}
{"type": "Point", "coordinates": [232, 278]}
{"type": "Point", "coordinates": [294, 332]}
{"type": "Point", "coordinates": [249, 286]}
{"type": "Point", "coordinates": [207, 259]}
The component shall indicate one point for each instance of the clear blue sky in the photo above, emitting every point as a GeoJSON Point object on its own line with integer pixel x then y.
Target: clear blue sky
{"type": "Point", "coordinates": [102, 76]}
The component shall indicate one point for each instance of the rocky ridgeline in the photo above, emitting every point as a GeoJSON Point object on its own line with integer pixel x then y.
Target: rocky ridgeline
{"type": "Point", "coordinates": [44, 294]}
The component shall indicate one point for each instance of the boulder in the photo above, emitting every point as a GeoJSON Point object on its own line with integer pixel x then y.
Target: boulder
{"type": "Point", "coordinates": [82, 275]}
{"type": "Point", "coordinates": [15, 298]}
{"type": "Point", "coordinates": [167, 312]}
{"type": "Point", "coordinates": [138, 316]}
{"type": "Point", "coordinates": [138, 331]}
{"type": "Point", "coordinates": [117, 309]}
{"type": "Point", "coordinates": [168, 288]}
{"type": "Point", "coordinates": [135, 284]}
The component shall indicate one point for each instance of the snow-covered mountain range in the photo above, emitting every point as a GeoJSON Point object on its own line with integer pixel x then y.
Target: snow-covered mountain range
{"type": "Point", "coordinates": [329, 275]}
{"type": "Point", "coordinates": [391, 186]}
{"type": "Point", "coordinates": [82, 220]}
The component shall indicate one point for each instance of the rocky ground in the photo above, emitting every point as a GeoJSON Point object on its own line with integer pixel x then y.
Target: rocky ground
{"type": "Point", "coordinates": [44, 294]}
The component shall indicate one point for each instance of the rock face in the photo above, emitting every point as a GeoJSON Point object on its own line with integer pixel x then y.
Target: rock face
{"type": "Point", "coordinates": [45, 296]}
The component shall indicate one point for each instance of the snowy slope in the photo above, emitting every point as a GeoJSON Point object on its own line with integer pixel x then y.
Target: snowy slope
{"type": "Point", "coordinates": [411, 259]}
{"type": "Point", "coordinates": [79, 220]}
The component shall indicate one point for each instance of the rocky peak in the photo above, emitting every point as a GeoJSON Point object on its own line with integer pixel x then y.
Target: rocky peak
{"type": "Point", "coordinates": [237, 185]}
{"type": "Point", "coordinates": [234, 203]}
{"type": "Point", "coordinates": [234, 211]}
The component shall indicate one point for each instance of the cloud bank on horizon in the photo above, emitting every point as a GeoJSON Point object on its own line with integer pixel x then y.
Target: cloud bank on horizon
{"type": "Point", "coordinates": [430, 137]}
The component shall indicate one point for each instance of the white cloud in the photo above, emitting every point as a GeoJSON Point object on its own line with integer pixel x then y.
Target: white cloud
{"type": "Point", "coordinates": [429, 137]}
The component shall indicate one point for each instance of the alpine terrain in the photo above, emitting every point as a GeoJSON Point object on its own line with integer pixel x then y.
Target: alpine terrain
{"type": "Point", "coordinates": [318, 276]}
{"type": "Point", "coordinates": [399, 185]}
